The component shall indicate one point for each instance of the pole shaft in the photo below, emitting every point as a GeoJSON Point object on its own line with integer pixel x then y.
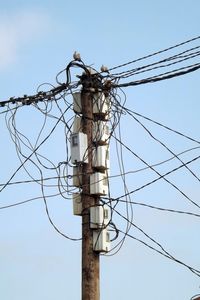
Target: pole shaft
{"type": "Point", "coordinates": [90, 259]}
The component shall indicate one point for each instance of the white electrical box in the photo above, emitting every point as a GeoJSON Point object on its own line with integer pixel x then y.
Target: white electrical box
{"type": "Point", "coordinates": [79, 148]}
{"type": "Point", "coordinates": [99, 216]}
{"type": "Point", "coordinates": [100, 158]}
{"type": "Point", "coordinates": [77, 124]}
{"type": "Point", "coordinates": [77, 107]}
{"type": "Point", "coordinates": [101, 240]}
{"type": "Point", "coordinates": [100, 132]}
{"type": "Point", "coordinates": [77, 204]}
{"type": "Point", "coordinates": [98, 184]}
{"type": "Point", "coordinates": [77, 176]}
{"type": "Point", "coordinates": [100, 104]}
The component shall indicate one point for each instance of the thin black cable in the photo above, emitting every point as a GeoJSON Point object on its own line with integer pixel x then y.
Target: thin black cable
{"type": "Point", "coordinates": [172, 60]}
{"type": "Point", "coordinates": [129, 111]}
{"type": "Point", "coordinates": [196, 272]}
{"type": "Point", "coordinates": [160, 208]}
{"type": "Point", "coordinates": [160, 176]}
{"type": "Point", "coordinates": [160, 77]}
{"type": "Point", "coordinates": [164, 145]}
{"type": "Point", "coordinates": [155, 53]}
{"type": "Point", "coordinates": [51, 221]}
{"type": "Point", "coordinates": [27, 159]}
{"type": "Point", "coordinates": [156, 164]}
{"type": "Point", "coordinates": [162, 252]}
{"type": "Point", "coordinates": [29, 200]}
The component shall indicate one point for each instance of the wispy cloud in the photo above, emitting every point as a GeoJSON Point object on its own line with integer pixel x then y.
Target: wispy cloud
{"type": "Point", "coordinates": [18, 30]}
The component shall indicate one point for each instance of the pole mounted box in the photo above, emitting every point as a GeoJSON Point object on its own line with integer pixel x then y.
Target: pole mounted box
{"type": "Point", "coordinates": [77, 204]}
{"type": "Point", "coordinates": [77, 176]}
{"type": "Point", "coordinates": [101, 104]}
{"type": "Point", "coordinates": [101, 240]}
{"type": "Point", "coordinates": [77, 107]}
{"type": "Point", "coordinates": [98, 184]}
{"type": "Point", "coordinates": [100, 157]}
{"type": "Point", "coordinates": [100, 132]}
{"type": "Point", "coordinates": [99, 216]}
{"type": "Point", "coordinates": [77, 124]}
{"type": "Point", "coordinates": [79, 148]}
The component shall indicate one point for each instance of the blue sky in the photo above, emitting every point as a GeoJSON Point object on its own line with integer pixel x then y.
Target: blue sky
{"type": "Point", "coordinates": [38, 39]}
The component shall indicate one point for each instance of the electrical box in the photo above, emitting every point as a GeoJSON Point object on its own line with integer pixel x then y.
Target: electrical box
{"type": "Point", "coordinates": [77, 124]}
{"type": "Point", "coordinates": [99, 216]}
{"type": "Point", "coordinates": [77, 107]}
{"type": "Point", "coordinates": [100, 132]}
{"type": "Point", "coordinates": [100, 158]}
{"type": "Point", "coordinates": [98, 184]}
{"type": "Point", "coordinates": [100, 104]}
{"type": "Point", "coordinates": [77, 176]}
{"type": "Point", "coordinates": [79, 148]}
{"type": "Point", "coordinates": [101, 240]}
{"type": "Point", "coordinates": [77, 204]}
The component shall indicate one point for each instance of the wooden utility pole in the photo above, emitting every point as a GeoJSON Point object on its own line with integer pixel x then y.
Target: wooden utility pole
{"type": "Point", "coordinates": [90, 258]}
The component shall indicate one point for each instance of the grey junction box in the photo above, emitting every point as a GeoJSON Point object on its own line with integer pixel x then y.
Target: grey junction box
{"type": "Point", "coordinates": [79, 148]}
{"type": "Point", "coordinates": [101, 240]}
{"type": "Point", "coordinates": [99, 216]}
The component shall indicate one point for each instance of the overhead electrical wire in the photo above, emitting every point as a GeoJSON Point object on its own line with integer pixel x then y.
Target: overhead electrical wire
{"type": "Point", "coordinates": [166, 147]}
{"type": "Point", "coordinates": [193, 270]}
{"type": "Point", "coordinates": [129, 111]}
{"type": "Point", "coordinates": [171, 60]}
{"type": "Point", "coordinates": [175, 211]}
{"type": "Point", "coordinates": [176, 58]}
{"type": "Point", "coordinates": [28, 201]}
{"type": "Point", "coordinates": [162, 76]}
{"type": "Point", "coordinates": [160, 175]}
{"type": "Point", "coordinates": [161, 251]}
{"type": "Point", "coordinates": [165, 252]}
{"type": "Point", "coordinates": [155, 53]}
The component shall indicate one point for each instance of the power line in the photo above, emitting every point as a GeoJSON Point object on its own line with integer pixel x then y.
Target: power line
{"type": "Point", "coordinates": [53, 224]}
{"type": "Point", "coordinates": [171, 60]}
{"type": "Point", "coordinates": [155, 53]}
{"type": "Point", "coordinates": [163, 76]}
{"type": "Point", "coordinates": [156, 164]}
{"type": "Point", "coordinates": [164, 253]}
{"type": "Point", "coordinates": [28, 200]}
{"type": "Point", "coordinates": [160, 176]}
{"type": "Point", "coordinates": [36, 180]}
{"type": "Point", "coordinates": [167, 148]}
{"type": "Point", "coordinates": [28, 158]}
{"type": "Point", "coordinates": [160, 208]}
{"type": "Point", "coordinates": [129, 111]}
{"type": "Point", "coordinates": [193, 270]}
